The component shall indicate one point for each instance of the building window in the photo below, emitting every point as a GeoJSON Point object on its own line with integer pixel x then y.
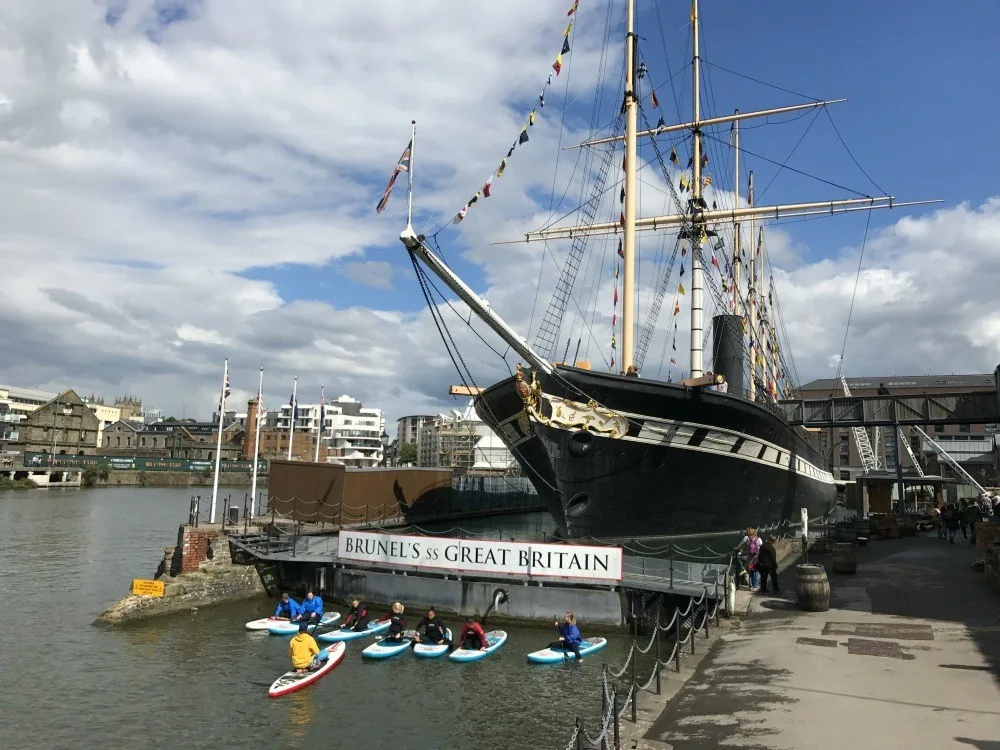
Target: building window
{"type": "Point", "coordinates": [845, 474]}
{"type": "Point", "coordinates": [939, 428]}
{"type": "Point", "coordinates": [118, 441]}
{"type": "Point", "coordinates": [845, 460]}
{"type": "Point", "coordinates": [965, 428]}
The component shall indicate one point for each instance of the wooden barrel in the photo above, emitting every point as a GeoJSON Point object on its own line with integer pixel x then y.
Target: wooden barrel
{"type": "Point", "coordinates": [845, 533]}
{"type": "Point", "coordinates": [891, 529]}
{"type": "Point", "coordinates": [812, 588]}
{"type": "Point", "coordinates": [844, 558]}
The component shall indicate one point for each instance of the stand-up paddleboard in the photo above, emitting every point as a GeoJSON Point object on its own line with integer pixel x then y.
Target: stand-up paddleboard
{"type": "Point", "coordinates": [494, 640]}
{"type": "Point", "coordinates": [555, 655]}
{"type": "Point", "coordinates": [384, 649]}
{"type": "Point", "coordinates": [285, 627]}
{"type": "Point", "coordinates": [291, 681]}
{"type": "Point", "coordinates": [335, 636]}
{"type": "Point", "coordinates": [265, 622]}
{"type": "Point", "coordinates": [432, 650]}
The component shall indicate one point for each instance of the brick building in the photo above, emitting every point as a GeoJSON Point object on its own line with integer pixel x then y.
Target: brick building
{"type": "Point", "coordinates": [274, 442]}
{"type": "Point", "coordinates": [64, 425]}
{"type": "Point", "coordinates": [186, 440]}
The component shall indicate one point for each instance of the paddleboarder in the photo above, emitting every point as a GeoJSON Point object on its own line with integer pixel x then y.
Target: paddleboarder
{"type": "Point", "coordinates": [396, 624]}
{"type": "Point", "coordinates": [357, 618]}
{"type": "Point", "coordinates": [569, 636]}
{"type": "Point", "coordinates": [311, 608]}
{"type": "Point", "coordinates": [287, 608]}
{"type": "Point", "coordinates": [431, 629]}
{"type": "Point", "coordinates": [303, 649]}
{"type": "Point", "coordinates": [472, 636]}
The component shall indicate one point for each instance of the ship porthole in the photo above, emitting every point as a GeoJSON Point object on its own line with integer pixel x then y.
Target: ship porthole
{"type": "Point", "coordinates": [579, 443]}
{"type": "Point", "coordinates": [577, 504]}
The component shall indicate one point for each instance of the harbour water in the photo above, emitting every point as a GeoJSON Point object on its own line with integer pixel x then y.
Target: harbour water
{"type": "Point", "coordinates": [199, 679]}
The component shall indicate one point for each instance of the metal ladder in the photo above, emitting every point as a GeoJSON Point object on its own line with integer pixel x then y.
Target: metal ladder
{"type": "Point", "coordinates": [951, 462]}
{"type": "Point", "coordinates": [548, 332]}
{"type": "Point", "coordinates": [909, 451]}
{"type": "Point", "coordinates": [868, 460]}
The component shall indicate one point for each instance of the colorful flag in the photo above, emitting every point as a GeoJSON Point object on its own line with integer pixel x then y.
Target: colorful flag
{"type": "Point", "coordinates": [565, 47]}
{"type": "Point", "coordinates": [294, 405]}
{"type": "Point", "coordinates": [673, 157]}
{"type": "Point", "coordinates": [460, 215]}
{"type": "Point", "coordinates": [557, 65]}
{"type": "Point", "coordinates": [655, 102]}
{"type": "Point", "coordinates": [680, 289]}
{"type": "Point", "coordinates": [576, 4]}
{"type": "Point", "coordinates": [621, 251]}
{"type": "Point", "coordinates": [402, 166]}
{"type": "Point", "coordinates": [707, 181]}
{"type": "Point", "coordinates": [486, 187]}
{"type": "Point", "coordinates": [715, 262]}
{"type": "Point", "coordinates": [225, 388]}
{"type": "Point", "coordinates": [531, 118]}
{"type": "Point", "coordinates": [661, 124]}
{"type": "Point", "coordinates": [541, 100]}
{"type": "Point", "coordinates": [523, 138]}
{"type": "Point", "coordinates": [322, 411]}
{"type": "Point", "coordinates": [502, 167]}
{"type": "Point", "coordinates": [569, 28]}
{"type": "Point", "coordinates": [472, 201]}
{"type": "Point", "coordinates": [677, 308]}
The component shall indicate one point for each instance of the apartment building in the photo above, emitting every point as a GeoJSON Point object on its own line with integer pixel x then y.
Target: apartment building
{"type": "Point", "coordinates": [354, 433]}
{"type": "Point", "coordinates": [461, 441]}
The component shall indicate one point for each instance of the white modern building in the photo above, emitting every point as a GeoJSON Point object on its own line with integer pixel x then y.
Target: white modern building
{"type": "Point", "coordinates": [461, 440]}
{"type": "Point", "coordinates": [408, 428]}
{"type": "Point", "coordinates": [353, 432]}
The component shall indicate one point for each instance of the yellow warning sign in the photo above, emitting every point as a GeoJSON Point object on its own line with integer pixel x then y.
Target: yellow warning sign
{"type": "Point", "coordinates": [145, 587]}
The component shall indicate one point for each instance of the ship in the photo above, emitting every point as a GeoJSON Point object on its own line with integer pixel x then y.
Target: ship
{"type": "Point", "coordinates": [617, 454]}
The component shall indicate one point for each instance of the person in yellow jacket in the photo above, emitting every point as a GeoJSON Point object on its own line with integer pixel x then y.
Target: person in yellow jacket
{"type": "Point", "coordinates": [303, 649]}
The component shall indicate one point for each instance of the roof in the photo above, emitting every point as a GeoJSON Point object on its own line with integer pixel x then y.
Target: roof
{"type": "Point", "coordinates": [28, 392]}
{"type": "Point", "coordinates": [985, 380]}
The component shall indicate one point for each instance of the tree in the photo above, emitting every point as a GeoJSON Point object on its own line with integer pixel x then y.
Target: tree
{"type": "Point", "coordinates": [407, 454]}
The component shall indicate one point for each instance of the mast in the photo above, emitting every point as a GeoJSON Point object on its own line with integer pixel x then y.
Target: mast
{"type": "Point", "coordinates": [698, 224]}
{"type": "Point", "coordinates": [256, 442]}
{"type": "Point", "coordinates": [737, 302]}
{"type": "Point", "coordinates": [772, 335]}
{"type": "Point", "coordinates": [628, 243]}
{"type": "Point", "coordinates": [218, 446]}
{"type": "Point", "coordinates": [752, 301]}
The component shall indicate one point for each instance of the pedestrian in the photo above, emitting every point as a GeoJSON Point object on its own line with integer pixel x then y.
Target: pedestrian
{"type": "Point", "coordinates": [971, 516]}
{"type": "Point", "coordinates": [752, 542]}
{"type": "Point", "coordinates": [950, 516]}
{"type": "Point", "coordinates": [963, 523]}
{"type": "Point", "coordinates": [767, 564]}
{"type": "Point", "coordinates": [938, 516]}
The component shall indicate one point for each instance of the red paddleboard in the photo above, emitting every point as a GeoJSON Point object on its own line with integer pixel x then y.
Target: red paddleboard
{"type": "Point", "coordinates": [291, 681]}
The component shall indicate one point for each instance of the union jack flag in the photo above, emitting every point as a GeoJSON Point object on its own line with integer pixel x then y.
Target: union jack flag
{"type": "Point", "coordinates": [402, 166]}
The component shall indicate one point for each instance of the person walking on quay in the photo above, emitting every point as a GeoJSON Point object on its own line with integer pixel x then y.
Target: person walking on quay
{"type": "Point", "coordinates": [938, 514]}
{"type": "Point", "coordinates": [950, 515]}
{"type": "Point", "coordinates": [963, 524]}
{"type": "Point", "coordinates": [752, 542]}
{"type": "Point", "coordinates": [767, 564]}
{"type": "Point", "coordinates": [971, 515]}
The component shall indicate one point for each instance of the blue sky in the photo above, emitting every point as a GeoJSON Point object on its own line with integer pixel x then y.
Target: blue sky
{"type": "Point", "coordinates": [204, 176]}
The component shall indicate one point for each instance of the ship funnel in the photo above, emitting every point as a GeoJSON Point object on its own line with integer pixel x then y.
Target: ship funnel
{"type": "Point", "coordinates": [727, 350]}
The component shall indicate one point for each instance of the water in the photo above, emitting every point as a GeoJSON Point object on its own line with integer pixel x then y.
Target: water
{"type": "Point", "coordinates": [199, 680]}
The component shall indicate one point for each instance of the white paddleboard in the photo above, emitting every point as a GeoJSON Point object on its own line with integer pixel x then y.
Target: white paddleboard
{"type": "Point", "coordinates": [265, 622]}
{"type": "Point", "coordinates": [291, 681]}
{"type": "Point", "coordinates": [494, 641]}
{"type": "Point", "coordinates": [553, 656]}
{"type": "Point", "coordinates": [335, 636]}
{"type": "Point", "coordinates": [384, 649]}
{"type": "Point", "coordinates": [286, 627]}
{"type": "Point", "coordinates": [432, 650]}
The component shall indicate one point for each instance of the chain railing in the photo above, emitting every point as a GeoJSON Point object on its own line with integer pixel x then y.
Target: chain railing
{"type": "Point", "coordinates": [684, 625]}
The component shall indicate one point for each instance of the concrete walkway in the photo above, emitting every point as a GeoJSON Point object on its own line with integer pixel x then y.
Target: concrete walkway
{"type": "Point", "coordinates": [908, 656]}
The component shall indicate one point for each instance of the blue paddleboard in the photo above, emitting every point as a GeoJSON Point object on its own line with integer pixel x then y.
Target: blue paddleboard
{"type": "Point", "coordinates": [494, 640]}
{"type": "Point", "coordinates": [384, 649]}
{"type": "Point", "coordinates": [553, 655]}
{"type": "Point", "coordinates": [432, 650]}
{"type": "Point", "coordinates": [349, 635]}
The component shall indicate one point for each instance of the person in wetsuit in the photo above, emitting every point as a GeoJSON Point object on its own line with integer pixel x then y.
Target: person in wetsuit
{"type": "Point", "coordinates": [569, 636]}
{"type": "Point", "coordinates": [396, 624]}
{"type": "Point", "coordinates": [357, 618]}
{"type": "Point", "coordinates": [472, 637]}
{"type": "Point", "coordinates": [431, 629]}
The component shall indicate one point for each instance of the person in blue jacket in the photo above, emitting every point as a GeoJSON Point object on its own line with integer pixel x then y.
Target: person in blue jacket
{"type": "Point", "coordinates": [569, 636]}
{"type": "Point", "coordinates": [287, 608]}
{"type": "Point", "coordinates": [311, 608]}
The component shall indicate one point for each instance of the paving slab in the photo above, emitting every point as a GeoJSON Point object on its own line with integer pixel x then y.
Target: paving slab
{"type": "Point", "coordinates": [908, 656]}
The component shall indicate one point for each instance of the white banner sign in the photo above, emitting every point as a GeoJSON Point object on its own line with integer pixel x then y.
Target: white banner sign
{"type": "Point", "coordinates": [474, 556]}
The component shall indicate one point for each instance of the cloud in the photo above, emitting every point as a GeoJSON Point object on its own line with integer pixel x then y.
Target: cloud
{"type": "Point", "coordinates": [152, 154]}
{"type": "Point", "coordinates": [374, 273]}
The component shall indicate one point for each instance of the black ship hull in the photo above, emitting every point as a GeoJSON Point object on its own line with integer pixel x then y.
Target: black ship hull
{"type": "Point", "coordinates": [614, 456]}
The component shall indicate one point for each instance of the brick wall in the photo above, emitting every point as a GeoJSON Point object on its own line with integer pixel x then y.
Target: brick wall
{"type": "Point", "coordinates": [987, 534]}
{"type": "Point", "coordinates": [194, 547]}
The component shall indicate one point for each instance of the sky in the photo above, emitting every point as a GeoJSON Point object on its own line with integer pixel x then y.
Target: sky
{"type": "Point", "coordinates": [183, 181]}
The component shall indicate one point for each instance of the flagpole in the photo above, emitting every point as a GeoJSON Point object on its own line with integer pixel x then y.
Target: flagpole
{"type": "Point", "coordinates": [256, 443]}
{"type": "Point", "coordinates": [218, 446]}
{"type": "Point", "coordinates": [291, 423]}
{"type": "Point", "coordinates": [319, 429]}
{"type": "Point", "coordinates": [409, 190]}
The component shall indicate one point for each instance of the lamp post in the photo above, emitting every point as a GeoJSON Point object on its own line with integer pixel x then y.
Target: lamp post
{"type": "Point", "coordinates": [384, 438]}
